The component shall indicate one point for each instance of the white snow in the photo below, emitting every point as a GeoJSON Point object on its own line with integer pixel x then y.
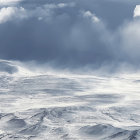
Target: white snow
{"type": "Point", "coordinates": [58, 106]}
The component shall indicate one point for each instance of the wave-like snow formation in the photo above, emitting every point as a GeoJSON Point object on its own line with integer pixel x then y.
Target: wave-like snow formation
{"type": "Point", "coordinates": [61, 107]}
{"type": "Point", "coordinates": [7, 67]}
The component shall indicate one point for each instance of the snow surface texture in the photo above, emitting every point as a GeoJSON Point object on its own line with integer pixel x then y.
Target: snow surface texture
{"type": "Point", "coordinates": [63, 107]}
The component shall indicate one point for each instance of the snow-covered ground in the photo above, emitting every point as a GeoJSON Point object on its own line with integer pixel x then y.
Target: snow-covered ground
{"type": "Point", "coordinates": [67, 106]}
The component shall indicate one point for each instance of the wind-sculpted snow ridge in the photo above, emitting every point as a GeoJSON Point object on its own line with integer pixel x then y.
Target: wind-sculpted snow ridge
{"type": "Point", "coordinates": [15, 68]}
{"type": "Point", "coordinates": [7, 67]}
{"type": "Point", "coordinates": [63, 107]}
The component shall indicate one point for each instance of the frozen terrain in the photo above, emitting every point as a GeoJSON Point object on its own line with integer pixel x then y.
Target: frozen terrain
{"type": "Point", "coordinates": [54, 106]}
{"type": "Point", "coordinates": [69, 69]}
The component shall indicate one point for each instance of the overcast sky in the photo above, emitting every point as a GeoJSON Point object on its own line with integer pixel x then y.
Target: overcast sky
{"type": "Point", "coordinates": [71, 33]}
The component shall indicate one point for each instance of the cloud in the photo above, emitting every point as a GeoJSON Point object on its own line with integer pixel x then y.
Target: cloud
{"type": "Point", "coordinates": [11, 13]}
{"type": "Point", "coordinates": [129, 41]}
{"type": "Point", "coordinates": [47, 11]}
{"type": "Point", "coordinates": [93, 17]}
{"type": "Point", "coordinates": [69, 35]}
{"type": "Point", "coordinates": [137, 11]}
{"type": "Point", "coordinates": [42, 12]}
{"type": "Point", "coordinates": [9, 2]}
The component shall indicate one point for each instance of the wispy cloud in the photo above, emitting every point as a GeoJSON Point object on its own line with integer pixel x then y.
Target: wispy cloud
{"type": "Point", "coordinates": [9, 2]}
{"type": "Point", "coordinates": [93, 17]}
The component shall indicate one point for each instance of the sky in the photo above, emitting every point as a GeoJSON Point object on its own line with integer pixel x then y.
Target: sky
{"type": "Point", "coordinates": [71, 33]}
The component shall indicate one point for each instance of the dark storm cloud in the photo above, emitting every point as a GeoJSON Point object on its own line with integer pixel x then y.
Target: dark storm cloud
{"type": "Point", "coordinates": [69, 34]}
